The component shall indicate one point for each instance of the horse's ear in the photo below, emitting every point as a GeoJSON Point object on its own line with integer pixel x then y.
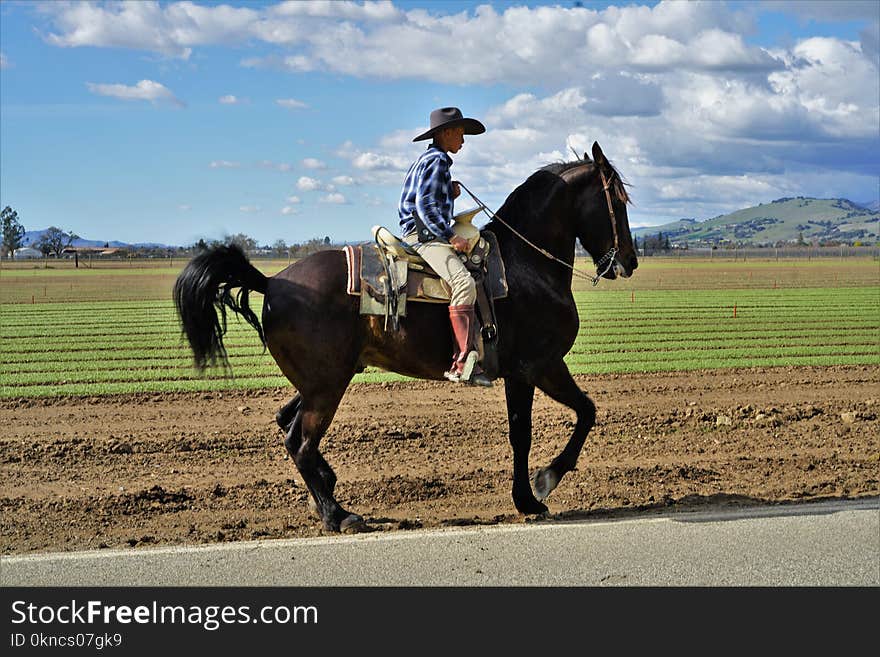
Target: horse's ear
{"type": "Point", "coordinates": [598, 155]}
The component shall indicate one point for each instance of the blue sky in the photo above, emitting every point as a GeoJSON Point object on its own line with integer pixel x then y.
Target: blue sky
{"type": "Point", "coordinates": [174, 121]}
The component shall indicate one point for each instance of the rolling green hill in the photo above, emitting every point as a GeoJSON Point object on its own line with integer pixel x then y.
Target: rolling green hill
{"type": "Point", "coordinates": [785, 220]}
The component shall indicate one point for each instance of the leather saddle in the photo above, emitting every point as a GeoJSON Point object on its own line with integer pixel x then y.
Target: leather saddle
{"type": "Point", "coordinates": [388, 274]}
{"type": "Point", "coordinates": [388, 268]}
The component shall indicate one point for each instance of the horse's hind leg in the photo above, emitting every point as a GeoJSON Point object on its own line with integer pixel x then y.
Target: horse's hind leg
{"type": "Point", "coordinates": [520, 396]}
{"type": "Point", "coordinates": [559, 385]}
{"type": "Point", "coordinates": [289, 418]}
{"type": "Point", "coordinates": [287, 413]}
{"type": "Point", "coordinates": [311, 423]}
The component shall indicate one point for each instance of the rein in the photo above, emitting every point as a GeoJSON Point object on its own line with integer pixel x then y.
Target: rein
{"type": "Point", "coordinates": [607, 259]}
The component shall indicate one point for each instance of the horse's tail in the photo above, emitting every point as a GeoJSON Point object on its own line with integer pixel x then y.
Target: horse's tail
{"type": "Point", "coordinates": [204, 286]}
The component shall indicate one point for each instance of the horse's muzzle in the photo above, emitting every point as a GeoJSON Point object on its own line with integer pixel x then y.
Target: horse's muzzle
{"type": "Point", "coordinates": [621, 269]}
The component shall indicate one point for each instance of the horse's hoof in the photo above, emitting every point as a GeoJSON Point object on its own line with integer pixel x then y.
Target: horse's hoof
{"type": "Point", "coordinates": [531, 507]}
{"type": "Point", "coordinates": [353, 524]}
{"type": "Point", "coordinates": [543, 483]}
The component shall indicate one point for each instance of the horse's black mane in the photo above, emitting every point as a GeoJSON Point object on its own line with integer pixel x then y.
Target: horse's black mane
{"type": "Point", "coordinates": [618, 187]}
{"type": "Point", "coordinates": [525, 200]}
{"type": "Point", "coordinates": [560, 167]}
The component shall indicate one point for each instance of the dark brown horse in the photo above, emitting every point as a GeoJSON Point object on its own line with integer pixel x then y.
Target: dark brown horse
{"type": "Point", "coordinates": [316, 334]}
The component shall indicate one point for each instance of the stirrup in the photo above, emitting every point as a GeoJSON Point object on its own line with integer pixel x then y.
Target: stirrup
{"type": "Point", "coordinates": [466, 372]}
{"type": "Point", "coordinates": [470, 362]}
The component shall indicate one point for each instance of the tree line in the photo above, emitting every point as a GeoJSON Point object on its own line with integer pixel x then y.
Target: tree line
{"type": "Point", "coordinates": [652, 244]}
{"type": "Point", "coordinates": [52, 242]}
{"type": "Point", "coordinates": [278, 248]}
{"type": "Point", "coordinates": [55, 240]}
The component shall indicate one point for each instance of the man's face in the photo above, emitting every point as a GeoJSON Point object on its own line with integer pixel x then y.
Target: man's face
{"type": "Point", "coordinates": [451, 139]}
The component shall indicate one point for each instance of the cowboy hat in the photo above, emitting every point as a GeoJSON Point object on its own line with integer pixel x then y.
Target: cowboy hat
{"type": "Point", "coordinates": [447, 117]}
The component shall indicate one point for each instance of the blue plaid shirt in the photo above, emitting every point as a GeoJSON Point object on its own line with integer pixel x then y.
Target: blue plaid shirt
{"type": "Point", "coordinates": [427, 190]}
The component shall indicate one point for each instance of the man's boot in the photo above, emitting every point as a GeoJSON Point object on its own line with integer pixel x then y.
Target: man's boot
{"type": "Point", "coordinates": [465, 368]}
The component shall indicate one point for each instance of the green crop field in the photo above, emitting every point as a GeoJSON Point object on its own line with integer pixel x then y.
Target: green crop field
{"type": "Point", "coordinates": [109, 330]}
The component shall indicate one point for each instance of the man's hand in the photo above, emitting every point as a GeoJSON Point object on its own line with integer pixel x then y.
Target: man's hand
{"type": "Point", "coordinates": [456, 189]}
{"type": "Point", "coordinates": [459, 243]}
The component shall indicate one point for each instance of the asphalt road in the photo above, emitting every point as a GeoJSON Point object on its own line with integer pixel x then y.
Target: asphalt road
{"type": "Point", "coordinates": [817, 544]}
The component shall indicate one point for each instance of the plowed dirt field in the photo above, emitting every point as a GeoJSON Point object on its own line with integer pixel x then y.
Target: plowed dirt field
{"type": "Point", "coordinates": [162, 469]}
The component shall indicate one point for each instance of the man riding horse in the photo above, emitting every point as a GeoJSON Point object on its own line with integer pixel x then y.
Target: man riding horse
{"type": "Point", "coordinates": [426, 218]}
{"type": "Point", "coordinates": [320, 339]}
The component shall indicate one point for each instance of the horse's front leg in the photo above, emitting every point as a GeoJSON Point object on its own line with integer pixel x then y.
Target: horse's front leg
{"type": "Point", "coordinates": [520, 396]}
{"type": "Point", "coordinates": [559, 385]}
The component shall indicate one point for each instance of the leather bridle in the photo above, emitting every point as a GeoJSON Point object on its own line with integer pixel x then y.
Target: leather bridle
{"type": "Point", "coordinates": [607, 259]}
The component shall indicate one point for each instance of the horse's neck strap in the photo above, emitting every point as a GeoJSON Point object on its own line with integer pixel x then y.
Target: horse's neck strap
{"type": "Point", "coordinates": [607, 189]}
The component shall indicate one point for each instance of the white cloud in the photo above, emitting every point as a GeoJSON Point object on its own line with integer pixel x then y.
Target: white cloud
{"type": "Point", "coordinates": [526, 109]}
{"type": "Point", "coordinates": [290, 103]}
{"type": "Point", "coordinates": [376, 161]}
{"type": "Point", "coordinates": [277, 166]}
{"type": "Point", "coordinates": [384, 166]}
{"type": "Point", "coordinates": [291, 63]}
{"type": "Point", "coordinates": [171, 30]}
{"type": "Point", "coordinates": [231, 100]}
{"type": "Point", "coordinates": [184, 207]}
{"type": "Point", "coordinates": [658, 51]}
{"type": "Point", "coordinates": [307, 184]}
{"type": "Point", "coordinates": [517, 44]}
{"type": "Point", "coordinates": [312, 163]}
{"type": "Point", "coordinates": [380, 10]}
{"type": "Point", "coordinates": [148, 90]}
{"type": "Point", "coordinates": [335, 198]}
{"type": "Point", "coordinates": [293, 200]}
{"type": "Point", "coordinates": [677, 20]}
{"type": "Point", "coordinates": [249, 209]}
{"type": "Point", "coordinates": [715, 49]}
{"type": "Point", "coordinates": [344, 181]}
{"type": "Point", "coordinates": [289, 210]}
{"type": "Point", "coordinates": [4, 62]}
{"type": "Point", "coordinates": [717, 108]}
{"type": "Point", "coordinates": [175, 29]}
{"type": "Point", "coordinates": [730, 189]}
{"type": "Point", "coordinates": [832, 81]}
{"type": "Point", "coordinates": [224, 164]}
{"type": "Point", "coordinates": [702, 144]}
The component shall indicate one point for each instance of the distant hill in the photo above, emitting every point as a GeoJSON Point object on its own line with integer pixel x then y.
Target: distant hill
{"type": "Point", "coordinates": [783, 220]}
{"type": "Point", "coordinates": [31, 237]}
